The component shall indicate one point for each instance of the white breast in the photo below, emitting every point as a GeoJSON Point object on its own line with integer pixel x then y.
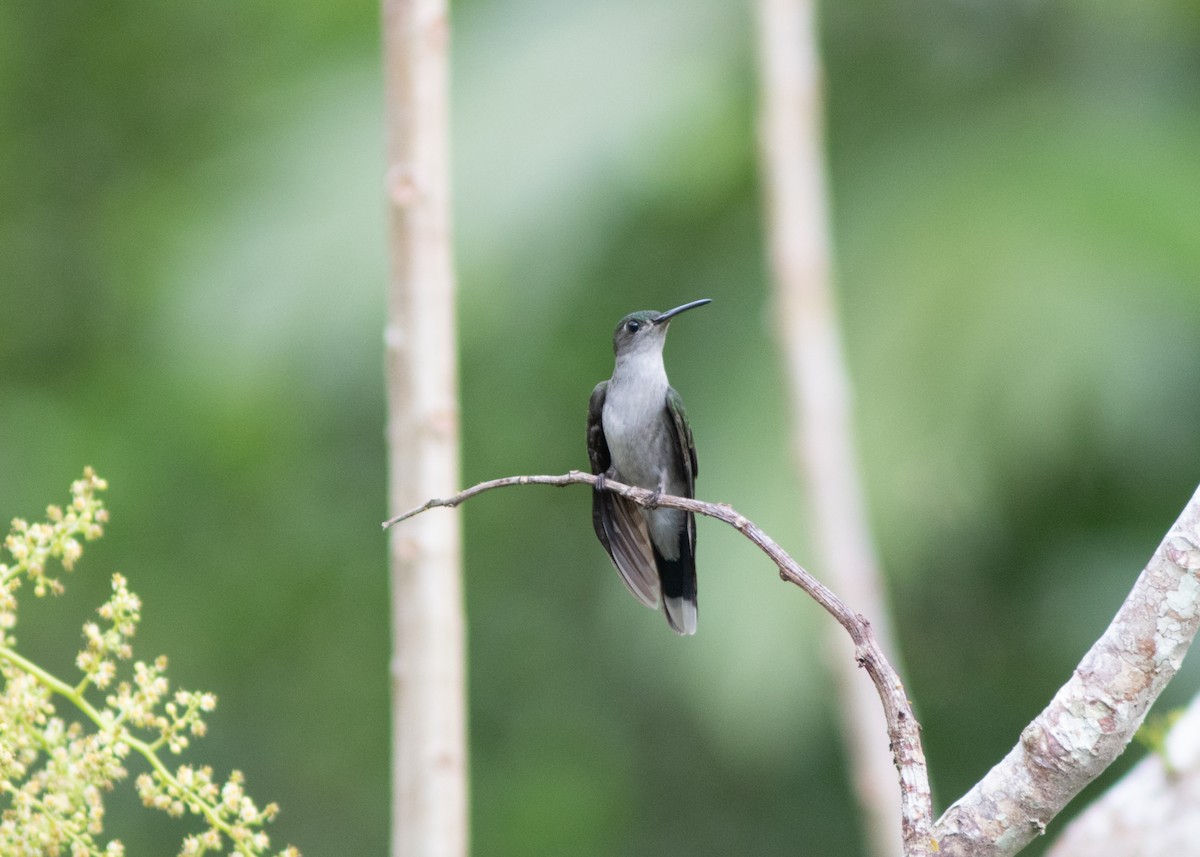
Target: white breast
{"type": "Point", "coordinates": [635, 420]}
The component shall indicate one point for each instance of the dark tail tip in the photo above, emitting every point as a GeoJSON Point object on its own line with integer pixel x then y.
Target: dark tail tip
{"type": "Point", "coordinates": [678, 578]}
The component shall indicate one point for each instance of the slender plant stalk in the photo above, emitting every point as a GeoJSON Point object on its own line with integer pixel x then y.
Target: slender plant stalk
{"type": "Point", "coordinates": [429, 766]}
{"type": "Point", "coordinates": [793, 169]}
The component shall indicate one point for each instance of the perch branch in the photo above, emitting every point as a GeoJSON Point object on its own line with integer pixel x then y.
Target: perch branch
{"type": "Point", "coordinates": [903, 730]}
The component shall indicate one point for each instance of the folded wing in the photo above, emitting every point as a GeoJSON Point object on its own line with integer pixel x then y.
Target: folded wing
{"type": "Point", "coordinates": [619, 524]}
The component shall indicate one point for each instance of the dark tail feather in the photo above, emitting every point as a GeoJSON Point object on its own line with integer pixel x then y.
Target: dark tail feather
{"type": "Point", "coordinates": [678, 577]}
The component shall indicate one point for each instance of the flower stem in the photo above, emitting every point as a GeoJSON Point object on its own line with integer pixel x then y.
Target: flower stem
{"type": "Point", "coordinates": [119, 733]}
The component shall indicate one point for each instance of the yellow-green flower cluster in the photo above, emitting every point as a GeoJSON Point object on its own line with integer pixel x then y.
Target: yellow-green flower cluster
{"type": "Point", "coordinates": [146, 703]}
{"type": "Point", "coordinates": [32, 545]}
{"type": "Point", "coordinates": [27, 710]}
{"type": "Point", "coordinates": [227, 808]}
{"type": "Point", "coordinates": [122, 613]}
{"type": "Point", "coordinates": [58, 806]}
{"type": "Point", "coordinates": [54, 772]}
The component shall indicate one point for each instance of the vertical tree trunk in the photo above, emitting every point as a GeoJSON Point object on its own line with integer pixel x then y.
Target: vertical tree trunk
{"type": "Point", "coordinates": [429, 791]}
{"type": "Point", "coordinates": [793, 172]}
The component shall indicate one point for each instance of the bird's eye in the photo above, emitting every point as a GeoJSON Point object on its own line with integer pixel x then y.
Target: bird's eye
{"type": "Point", "coordinates": [633, 326]}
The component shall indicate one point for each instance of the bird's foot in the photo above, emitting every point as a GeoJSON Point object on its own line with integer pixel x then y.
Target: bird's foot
{"type": "Point", "coordinates": [600, 478]}
{"type": "Point", "coordinates": [652, 503]}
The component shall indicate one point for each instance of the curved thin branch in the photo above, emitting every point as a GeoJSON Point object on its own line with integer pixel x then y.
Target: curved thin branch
{"type": "Point", "coordinates": [903, 729]}
{"type": "Point", "coordinates": [1094, 715]}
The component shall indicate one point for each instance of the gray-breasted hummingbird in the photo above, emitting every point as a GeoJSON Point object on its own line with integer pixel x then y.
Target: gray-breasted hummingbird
{"type": "Point", "coordinates": [638, 433]}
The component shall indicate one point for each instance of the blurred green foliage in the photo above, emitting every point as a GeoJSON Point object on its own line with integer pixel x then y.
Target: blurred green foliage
{"type": "Point", "coordinates": [191, 300]}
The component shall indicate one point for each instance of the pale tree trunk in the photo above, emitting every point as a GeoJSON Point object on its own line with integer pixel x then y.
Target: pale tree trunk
{"type": "Point", "coordinates": [429, 782]}
{"type": "Point", "coordinates": [819, 391]}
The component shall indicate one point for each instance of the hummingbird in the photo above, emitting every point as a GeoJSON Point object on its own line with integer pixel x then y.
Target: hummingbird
{"type": "Point", "coordinates": [638, 433]}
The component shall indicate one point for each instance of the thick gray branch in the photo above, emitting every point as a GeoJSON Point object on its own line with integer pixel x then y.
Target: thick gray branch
{"type": "Point", "coordinates": [1094, 715]}
{"type": "Point", "coordinates": [1152, 810]}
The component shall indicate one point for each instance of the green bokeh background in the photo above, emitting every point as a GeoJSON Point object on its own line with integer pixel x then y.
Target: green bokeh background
{"type": "Point", "coordinates": [191, 300]}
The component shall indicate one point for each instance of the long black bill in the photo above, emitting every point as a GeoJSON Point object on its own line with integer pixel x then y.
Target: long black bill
{"type": "Point", "coordinates": [671, 313]}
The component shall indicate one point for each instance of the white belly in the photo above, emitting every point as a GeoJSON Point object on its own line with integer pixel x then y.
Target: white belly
{"type": "Point", "coordinates": [641, 442]}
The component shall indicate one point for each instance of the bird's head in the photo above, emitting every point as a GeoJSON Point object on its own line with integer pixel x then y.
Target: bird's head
{"type": "Point", "coordinates": [647, 329]}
